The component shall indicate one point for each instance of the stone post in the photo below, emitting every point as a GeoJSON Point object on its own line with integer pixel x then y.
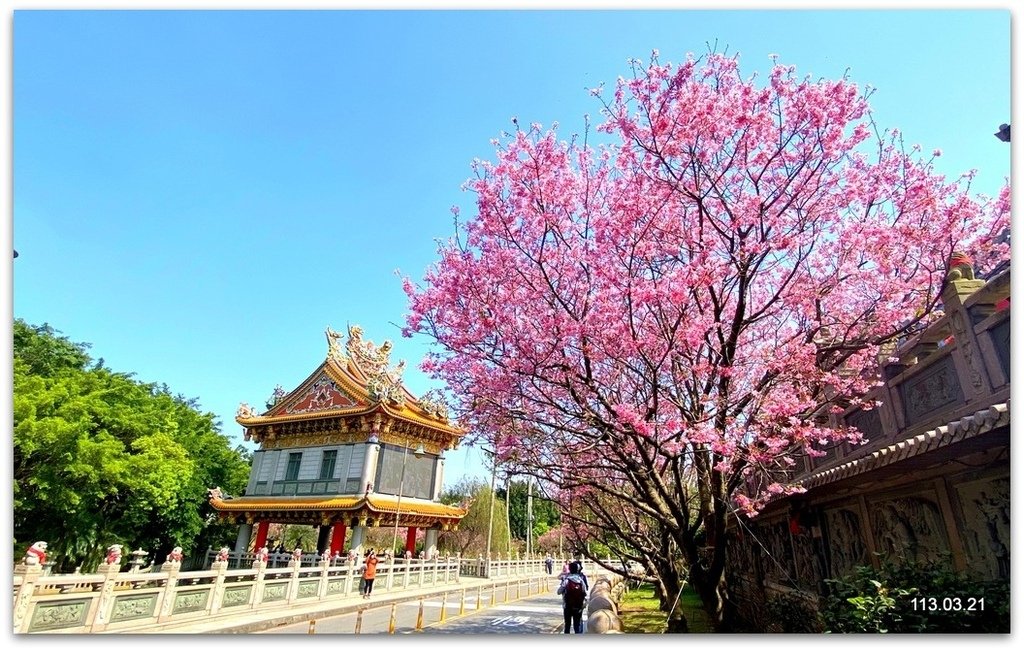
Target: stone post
{"type": "Point", "coordinates": [350, 576]}
{"type": "Point", "coordinates": [23, 597]}
{"type": "Point", "coordinates": [325, 568]}
{"type": "Point", "coordinates": [293, 585]}
{"type": "Point", "coordinates": [221, 568]}
{"type": "Point", "coordinates": [259, 583]}
{"type": "Point", "coordinates": [166, 606]}
{"type": "Point", "coordinates": [967, 356]}
{"type": "Point", "coordinates": [106, 603]}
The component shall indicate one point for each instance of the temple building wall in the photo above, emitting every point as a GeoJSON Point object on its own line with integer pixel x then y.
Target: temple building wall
{"type": "Point", "coordinates": [931, 485]}
{"type": "Point", "coordinates": [269, 474]}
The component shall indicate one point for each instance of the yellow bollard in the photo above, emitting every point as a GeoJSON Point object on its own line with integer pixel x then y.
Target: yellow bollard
{"type": "Point", "coordinates": [494, 589]}
{"type": "Point", "coordinates": [462, 603]}
{"type": "Point", "coordinates": [479, 595]}
{"type": "Point", "coordinates": [444, 601]}
{"type": "Point", "coordinates": [391, 623]}
{"type": "Point", "coordinates": [506, 591]}
{"type": "Point", "coordinates": [359, 621]}
{"type": "Point", "coordinates": [312, 627]}
{"type": "Point", "coordinates": [419, 618]}
{"type": "Point", "coordinates": [519, 589]}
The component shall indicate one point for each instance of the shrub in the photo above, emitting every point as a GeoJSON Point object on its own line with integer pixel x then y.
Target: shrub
{"type": "Point", "coordinates": [915, 598]}
{"type": "Point", "coordinates": [790, 613]}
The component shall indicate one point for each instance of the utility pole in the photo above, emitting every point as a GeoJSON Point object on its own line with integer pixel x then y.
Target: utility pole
{"type": "Point", "coordinates": [529, 516]}
{"type": "Point", "coordinates": [508, 514]}
{"type": "Point", "coordinates": [490, 519]}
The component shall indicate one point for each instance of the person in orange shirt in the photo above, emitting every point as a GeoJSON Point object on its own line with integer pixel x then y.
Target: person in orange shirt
{"type": "Point", "coordinates": [369, 573]}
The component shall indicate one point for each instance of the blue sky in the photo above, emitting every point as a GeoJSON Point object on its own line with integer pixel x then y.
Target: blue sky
{"type": "Point", "coordinates": [199, 194]}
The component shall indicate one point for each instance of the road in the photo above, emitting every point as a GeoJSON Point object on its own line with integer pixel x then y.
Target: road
{"type": "Point", "coordinates": [529, 614]}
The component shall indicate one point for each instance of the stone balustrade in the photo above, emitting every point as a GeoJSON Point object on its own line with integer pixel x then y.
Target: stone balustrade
{"type": "Point", "coordinates": [111, 599]}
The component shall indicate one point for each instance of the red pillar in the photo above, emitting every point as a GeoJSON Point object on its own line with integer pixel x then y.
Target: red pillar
{"type": "Point", "coordinates": [410, 540]}
{"type": "Point", "coordinates": [261, 534]}
{"type": "Point", "coordinates": [337, 538]}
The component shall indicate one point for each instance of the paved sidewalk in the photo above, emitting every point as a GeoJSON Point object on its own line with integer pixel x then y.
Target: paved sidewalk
{"type": "Point", "coordinates": [267, 618]}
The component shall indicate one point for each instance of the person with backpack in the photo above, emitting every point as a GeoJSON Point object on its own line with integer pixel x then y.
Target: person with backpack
{"type": "Point", "coordinates": [574, 588]}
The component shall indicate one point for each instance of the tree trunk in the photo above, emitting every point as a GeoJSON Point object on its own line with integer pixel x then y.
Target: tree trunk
{"type": "Point", "coordinates": [710, 587]}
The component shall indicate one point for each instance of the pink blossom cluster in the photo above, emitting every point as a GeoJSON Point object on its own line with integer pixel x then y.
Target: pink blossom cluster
{"type": "Point", "coordinates": [699, 292]}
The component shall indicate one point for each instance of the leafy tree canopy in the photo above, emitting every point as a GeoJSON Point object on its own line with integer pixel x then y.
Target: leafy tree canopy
{"type": "Point", "coordinates": [101, 458]}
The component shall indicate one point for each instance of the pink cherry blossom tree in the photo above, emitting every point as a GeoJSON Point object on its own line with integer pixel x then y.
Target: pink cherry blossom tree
{"type": "Point", "coordinates": [659, 317]}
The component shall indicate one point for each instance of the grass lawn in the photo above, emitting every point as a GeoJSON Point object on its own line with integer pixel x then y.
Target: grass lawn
{"type": "Point", "coordinates": [639, 612]}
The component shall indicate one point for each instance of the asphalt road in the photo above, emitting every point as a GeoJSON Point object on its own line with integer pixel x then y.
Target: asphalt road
{"type": "Point", "coordinates": [529, 614]}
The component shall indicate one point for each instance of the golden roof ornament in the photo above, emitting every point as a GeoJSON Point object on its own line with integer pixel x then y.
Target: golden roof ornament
{"type": "Point", "coordinates": [383, 382]}
{"type": "Point", "coordinates": [433, 404]}
{"type": "Point", "coordinates": [334, 350]}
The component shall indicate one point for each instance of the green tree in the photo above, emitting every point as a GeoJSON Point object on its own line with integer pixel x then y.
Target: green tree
{"type": "Point", "coordinates": [101, 458]}
{"type": "Point", "coordinates": [545, 512]}
{"type": "Point", "coordinates": [471, 537]}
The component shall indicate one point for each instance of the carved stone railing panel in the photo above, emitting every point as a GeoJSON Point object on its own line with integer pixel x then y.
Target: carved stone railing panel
{"type": "Point", "coordinates": [869, 423]}
{"type": "Point", "coordinates": [931, 390]}
{"type": "Point", "coordinates": [191, 601]}
{"type": "Point", "coordinates": [985, 529]}
{"type": "Point", "coordinates": [133, 607]}
{"type": "Point", "coordinates": [54, 615]}
{"type": "Point", "coordinates": [1001, 341]}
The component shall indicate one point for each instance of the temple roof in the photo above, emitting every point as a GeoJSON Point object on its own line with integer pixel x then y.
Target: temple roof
{"type": "Point", "coordinates": [355, 381]}
{"type": "Point", "coordinates": [380, 508]}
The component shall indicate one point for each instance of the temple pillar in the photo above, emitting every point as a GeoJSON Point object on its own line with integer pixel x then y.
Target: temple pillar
{"type": "Point", "coordinates": [323, 538]}
{"type": "Point", "coordinates": [439, 480]}
{"type": "Point", "coordinates": [244, 534]}
{"type": "Point", "coordinates": [262, 530]}
{"type": "Point", "coordinates": [338, 538]}
{"type": "Point", "coordinates": [369, 474]}
{"type": "Point", "coordinates": [430, 542]}
{"type": "Point", "coordinates": [358, 536]}
{"type": "Point", "coordinates": [410, 540]}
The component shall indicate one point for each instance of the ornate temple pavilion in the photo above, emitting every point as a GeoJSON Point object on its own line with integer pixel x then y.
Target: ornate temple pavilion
{"type": "Point", "coordinates": [349, 448]}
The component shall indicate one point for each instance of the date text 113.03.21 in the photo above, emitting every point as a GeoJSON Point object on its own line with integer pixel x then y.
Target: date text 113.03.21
{"type": "Point", "coordinates": [949, 604]}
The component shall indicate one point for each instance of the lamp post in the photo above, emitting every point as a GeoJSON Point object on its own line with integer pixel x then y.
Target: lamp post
{"type": "Point", "coordinates": [490, 519]}
{"type": "Point", "coordinates": [401, 487]}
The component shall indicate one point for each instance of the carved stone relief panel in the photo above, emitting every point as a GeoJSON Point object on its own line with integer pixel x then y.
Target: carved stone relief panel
{"type": "Point", "coordinates": [1001, 341]}
{"type": "Point", "coordinates": [930, 390]}
{"type": "Point", "coordinates": [777, 554]}
{"type": "Point", "coordinates": [806, 560]}
{"type": "Point", "coordinates": [909, 528]}
{"type": "Point", "coordinates": [845, 544]}
{"type": "Point", "coordinates": [985, 505]}
{"type": "Point", "coordinates": [741, 567]}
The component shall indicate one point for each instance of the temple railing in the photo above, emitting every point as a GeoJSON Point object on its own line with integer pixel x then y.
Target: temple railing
{"type": "Point", "coordinates": [957, 366]}
{"type": "Point", "coordinates": [110, 600]}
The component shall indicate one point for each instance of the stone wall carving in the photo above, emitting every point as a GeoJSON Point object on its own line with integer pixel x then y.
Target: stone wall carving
{"type": "Point", "coordinates": [778, 548]}
{"type": "Point", "coordinates": [932, 389]}
{"type": "Point", "coordinates": [845, 543]}
{"type": "Point", "coordinates": [808, 571]}
{"type": "Point", "coordinates": [986, 526]}
{"type": "Point", "coordinates": [910, 529]}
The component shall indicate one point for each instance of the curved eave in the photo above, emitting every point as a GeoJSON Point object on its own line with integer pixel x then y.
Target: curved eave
{"type": "Point", "coordinates": [376, 504]}
{"type": "Point", "coordinates": [306, 415]}
{"type": "Point", "coordinates": [407, 414]}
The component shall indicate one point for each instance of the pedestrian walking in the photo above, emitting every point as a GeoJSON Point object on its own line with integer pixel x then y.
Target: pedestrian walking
{"type": "Point", "coordinates": [574, 589]}
{"type": "Point", "coordinates": [369, 573]}
{"type": "Point", "coordinates": [549, 563]}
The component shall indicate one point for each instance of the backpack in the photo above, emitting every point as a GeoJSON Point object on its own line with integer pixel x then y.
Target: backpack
{"type": "Point", "coordinates": [575, 594]}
